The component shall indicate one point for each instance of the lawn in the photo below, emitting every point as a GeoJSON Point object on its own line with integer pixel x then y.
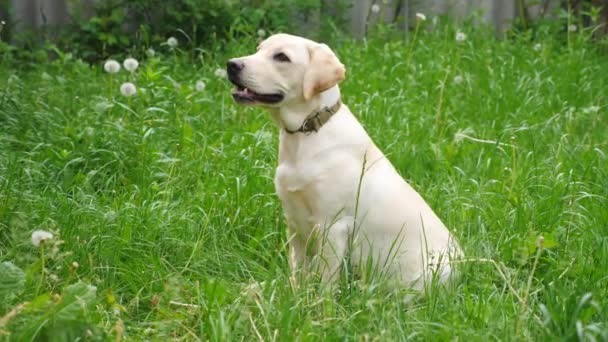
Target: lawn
{"type": "Point", "coordinates": [163, 209]}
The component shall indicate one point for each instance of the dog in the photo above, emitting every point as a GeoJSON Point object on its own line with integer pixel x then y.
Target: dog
{"type": "Point", "coordinates": [342, 198]}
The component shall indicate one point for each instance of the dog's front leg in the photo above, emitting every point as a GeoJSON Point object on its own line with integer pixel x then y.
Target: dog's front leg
{"type": "Point", "coordinates": [297, 256]}
{"type": "Point", "coordinates": [333, 247]}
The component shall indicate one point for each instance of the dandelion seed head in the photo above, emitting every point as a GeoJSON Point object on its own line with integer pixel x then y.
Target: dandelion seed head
{"type": "Point", "coordinates": [130, 64]}
{"type": "Point", "coordinates": [128, 89]}
{"type": "Point", "coordinates": [572, 28]}
{"type": "Point", "coordinates": [458, 79]}
{"type": "Point", "coordinates": [200, 86]}
{"type": "Point", "coordinates": [220, 73]}
{"type": "Point", "coordinates": [40, 237]}
{"type": "Point", "coordinates": [150, 53]}
{"type": "Point", "coordinates": [172, 42]}
{"type": "Point", "coordinates": [537, 47]}
{"type": "Point", "coordinates": [461, 36]}
{"type": "Point", "coordinates": [261, 33]}
{"type": "Point", "coordinates": [420, 16]}
{"type": "Point", "coordinates": [111, 66]}
{"type": "Point", "coordinates": [375, 8]}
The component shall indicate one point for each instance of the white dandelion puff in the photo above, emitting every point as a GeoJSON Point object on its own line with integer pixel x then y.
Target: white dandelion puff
{"type": "Point", "coordinates": [128, 89]}
{"type": "Point", "coordinates": [172, 42]}
{"type": "Point", "coordinates": [200, 86]}
{"type": "Point", "coordinates": [375, 8]}
{"type": "Point", "coordinates": [41, 236]}
{"type": "Point", "coordinates": [150, 53]}
{"type": "Point", "coordinates": [458, 79]}
{"type": "Point", "coordinates": [572, 28]}
{"type": "Point", "coordinates": [420, 16]}
{"type": "Point", "coordinates": [220, 73]}
{"type": "Point", "coordinates": [537, 47]}
{"type": "Point", "coordinates": [111, 66]}
{"type": "Point", "coordinates": [461, 36]}
{"type": "Point", "coordinates": [130, 64]}
{"type": "Point", "coordinates": [261, 33]}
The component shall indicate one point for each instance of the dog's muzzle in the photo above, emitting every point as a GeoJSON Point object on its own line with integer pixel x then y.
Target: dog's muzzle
{"type": "Point", "coordinates": [243, 94]}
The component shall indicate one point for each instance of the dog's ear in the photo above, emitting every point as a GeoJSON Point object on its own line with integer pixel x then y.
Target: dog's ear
{"type": "Point", "coordinates": [324, 70]}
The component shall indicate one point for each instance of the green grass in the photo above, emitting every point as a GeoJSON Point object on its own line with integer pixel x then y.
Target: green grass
{"type": "Point", "coordinates": [168, 196]}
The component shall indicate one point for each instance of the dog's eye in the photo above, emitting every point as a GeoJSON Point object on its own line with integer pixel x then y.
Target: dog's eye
{"type": "Point", "coordinates": [281, 57]}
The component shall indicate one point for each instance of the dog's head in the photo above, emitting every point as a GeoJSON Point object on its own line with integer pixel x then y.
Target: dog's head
{"type": "Point", "coordinates": [285, 69]}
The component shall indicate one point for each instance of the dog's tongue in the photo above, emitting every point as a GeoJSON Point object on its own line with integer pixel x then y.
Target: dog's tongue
{"type": "Point", "coordinates": [245, 91]}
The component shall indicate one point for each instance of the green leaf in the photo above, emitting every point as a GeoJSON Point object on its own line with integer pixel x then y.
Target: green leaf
{"type": "Point", "coordinates": [65, 319]}
{"type": "Point", "coordinates": [75, 301]}
{"type": "Point", "coordinates": [533, 239]}
{"type": "Point", "coordinates": [12, 280]}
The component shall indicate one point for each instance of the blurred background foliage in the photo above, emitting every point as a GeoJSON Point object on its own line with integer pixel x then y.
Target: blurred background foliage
{"type": "Point", "coordinates": [97, 29]}
{"type": "Point", "coordinates": [116, 26]}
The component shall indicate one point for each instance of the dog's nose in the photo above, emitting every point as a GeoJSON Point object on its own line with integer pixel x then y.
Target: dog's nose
{"type": "Point", "coordinates": [233, 67]}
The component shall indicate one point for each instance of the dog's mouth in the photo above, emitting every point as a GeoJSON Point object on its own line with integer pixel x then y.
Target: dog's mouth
{"type": "Point", "coordinates": [242, 94]}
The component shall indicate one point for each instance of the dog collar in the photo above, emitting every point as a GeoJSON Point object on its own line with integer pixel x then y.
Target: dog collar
{"type": "Point", "coordinates": [316, 120]}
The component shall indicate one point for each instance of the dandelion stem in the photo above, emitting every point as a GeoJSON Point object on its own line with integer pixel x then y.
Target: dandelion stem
{"type": "Point", "coordinates": [110, 88]}
{"type": "Point", "coordinates": [412, 43]}
{"type": "Point", "coordinates": [42, 266]}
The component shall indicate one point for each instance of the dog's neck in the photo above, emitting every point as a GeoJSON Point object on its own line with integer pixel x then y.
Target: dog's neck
{"type": "Point", "coordinates": [292, 116]}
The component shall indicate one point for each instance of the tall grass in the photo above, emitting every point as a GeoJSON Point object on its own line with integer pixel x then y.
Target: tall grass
{"type": "Point", "coordinates": [166, 204]}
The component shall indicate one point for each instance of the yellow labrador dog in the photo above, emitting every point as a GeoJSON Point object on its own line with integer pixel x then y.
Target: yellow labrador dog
{"type": "Point", "coordinates": [341, 195]}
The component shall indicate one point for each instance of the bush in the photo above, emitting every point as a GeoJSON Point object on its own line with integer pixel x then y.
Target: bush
{"type": "Point", "coordinates": [119, 26]}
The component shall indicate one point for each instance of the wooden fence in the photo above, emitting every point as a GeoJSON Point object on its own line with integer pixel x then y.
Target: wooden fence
{"type": "Point", "coordinates": [359, 15]}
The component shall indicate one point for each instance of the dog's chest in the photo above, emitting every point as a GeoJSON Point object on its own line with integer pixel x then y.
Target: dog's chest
{"type": "Point", "coordinates": [298, 194]}
{"type": "Point", "coordinates": [315, 193]}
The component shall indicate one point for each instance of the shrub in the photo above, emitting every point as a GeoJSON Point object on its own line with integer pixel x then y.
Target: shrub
{"type": "Point", "coordinates": [118, 26]}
